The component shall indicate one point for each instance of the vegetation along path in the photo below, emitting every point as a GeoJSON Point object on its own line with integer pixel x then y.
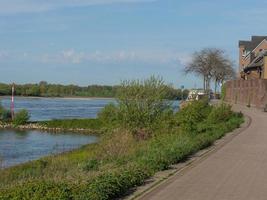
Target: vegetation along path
{"type": "Point", "coordinates": [236, 171]}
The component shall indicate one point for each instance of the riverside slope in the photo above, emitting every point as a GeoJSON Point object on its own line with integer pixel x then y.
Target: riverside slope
{"type": "Point", "coordinates": [237, 171]}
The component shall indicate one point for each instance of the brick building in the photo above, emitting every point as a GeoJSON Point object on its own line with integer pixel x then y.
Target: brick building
{"type": "Point", "coordinates": [253, 58]}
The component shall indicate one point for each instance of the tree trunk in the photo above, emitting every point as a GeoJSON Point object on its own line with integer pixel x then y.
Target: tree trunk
{"type": "Point", "coordinates": [215, 89]}
{"type": "Point", "coordinates": [204, 83]}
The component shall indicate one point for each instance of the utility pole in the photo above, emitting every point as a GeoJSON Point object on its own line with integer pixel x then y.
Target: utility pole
{"type": "Point", "coordinates": [12, 106]}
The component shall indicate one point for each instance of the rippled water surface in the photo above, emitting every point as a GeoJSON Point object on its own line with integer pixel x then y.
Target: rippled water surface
{"type": "Point", "coordinates": [21, 146]}
{"type": "Point", "coordinates": [58, 108]}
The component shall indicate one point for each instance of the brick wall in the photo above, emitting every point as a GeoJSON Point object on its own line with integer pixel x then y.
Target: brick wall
{"type": "Point", "coordinates": [247, 92]}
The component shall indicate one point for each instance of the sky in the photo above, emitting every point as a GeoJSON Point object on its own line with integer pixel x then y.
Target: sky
{"type": "Point", "coordinates": [88, 42]}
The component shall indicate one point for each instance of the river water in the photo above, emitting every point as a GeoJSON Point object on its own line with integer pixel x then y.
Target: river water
{"type": "Point", "coordinates": [42, 109]}
{"type": "Point", "coordinates": [21, 146]}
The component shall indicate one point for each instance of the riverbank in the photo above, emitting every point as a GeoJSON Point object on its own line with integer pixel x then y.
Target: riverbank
{"type": "Point", "coordinates": [121, 160]}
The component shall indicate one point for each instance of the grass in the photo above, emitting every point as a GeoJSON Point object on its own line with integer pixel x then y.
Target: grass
{"type": "Point", "coordinates": [88, 124]}
{"type": "Point", "coordinates": [120, 161]}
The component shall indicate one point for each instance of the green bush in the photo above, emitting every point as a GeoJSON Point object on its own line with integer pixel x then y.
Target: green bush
{"type": "Point", "coordinates": [21, 118]}
{"type": "Point", "coordinates": [112, 184]}
{"type": "Point", "coordinates": [142, 103]}
{"type": "Point", "coordinates": [109, 114]}
{"type": "Point", "coordinates": [220, 113]}
{"type": "Point", "coordinates": [190, 116]}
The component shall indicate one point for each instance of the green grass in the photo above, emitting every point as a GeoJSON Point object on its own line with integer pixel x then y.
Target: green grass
{"type": "Point", "coordinates": [90, 124]}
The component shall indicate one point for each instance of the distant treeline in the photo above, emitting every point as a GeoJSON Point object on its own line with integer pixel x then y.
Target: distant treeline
{"type": "Point", "coordinates": [44, 89]}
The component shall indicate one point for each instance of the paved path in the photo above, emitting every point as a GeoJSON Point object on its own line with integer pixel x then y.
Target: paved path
{"type": "Point", "coordinates": [237, 171]}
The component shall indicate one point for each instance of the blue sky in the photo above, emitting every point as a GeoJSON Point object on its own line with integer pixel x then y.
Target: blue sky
{"type": "Point", "coordinates": [105, 41]}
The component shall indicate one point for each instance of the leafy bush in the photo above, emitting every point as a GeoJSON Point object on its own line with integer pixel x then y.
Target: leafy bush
{"type": "Point", "coordinates": [141, 103]}
{"type": "Point", "coordinates": [109, 114]}
{"type": "Point", "coordinates": [21, 118]}
{"type": "Point", "coordinates": [112, 184]}
{"type": "Point", "coordinates": [220, 113]}
{"type": "Point", "coordinates": [190, 116]}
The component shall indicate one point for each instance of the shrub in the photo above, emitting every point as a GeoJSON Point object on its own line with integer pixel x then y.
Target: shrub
{"type": "Point", "coordinates": [142, 102]}
{"type": "Point", "coordinates": [220, 113]}
{"type": "Point", "coordinates": [109, 114]}
{"type": "Point", "coordinates": [112, 184]}
{"type": "Point", "coordinates": [141, 105]}
{"type": "Point", "coordinates": [194, 113]}
{"type": "Point", "coordinates": [21, 118]}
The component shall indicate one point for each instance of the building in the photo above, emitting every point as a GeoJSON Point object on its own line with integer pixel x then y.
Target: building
{"type": "Point", "coordinates": [253, 58]}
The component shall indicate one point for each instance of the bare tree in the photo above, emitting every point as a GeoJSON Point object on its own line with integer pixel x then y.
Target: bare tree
{"type": "Point", "coordinates": [223, 72]}
{"type": "Point", "coordinates": [211, 64]}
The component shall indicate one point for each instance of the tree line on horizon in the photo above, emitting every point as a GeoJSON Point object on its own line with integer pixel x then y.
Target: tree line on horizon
{"type": "Point", "coordinates": [44, 89]}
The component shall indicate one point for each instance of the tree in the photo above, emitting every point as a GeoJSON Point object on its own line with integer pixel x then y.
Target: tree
{"type": "Point", "coordinates": [223, 72]}
{"type": "Point", "coordinates": [211, 64]}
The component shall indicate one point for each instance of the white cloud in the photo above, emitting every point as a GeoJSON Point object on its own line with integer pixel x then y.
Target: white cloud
{"type": "Point", "coordinates": [71, 56]}
{"type": "Point", "coordinates": [29, 6]}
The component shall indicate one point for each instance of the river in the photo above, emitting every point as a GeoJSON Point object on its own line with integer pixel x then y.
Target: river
{"type": "Point", "coordinates": [21, 146]}
{"type": "Point", "coordinates": [42, 109]}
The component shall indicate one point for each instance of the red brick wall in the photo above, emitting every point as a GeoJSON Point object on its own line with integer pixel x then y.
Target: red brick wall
{"type": "Point", "coordinates": [247, 92]}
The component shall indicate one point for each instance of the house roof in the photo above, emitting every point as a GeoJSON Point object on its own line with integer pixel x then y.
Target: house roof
{"type": "Point", "coordinates": [251, 45]}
